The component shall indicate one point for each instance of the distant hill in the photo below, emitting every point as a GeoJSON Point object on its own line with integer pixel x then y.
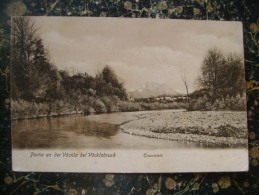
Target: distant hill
{"type": "Point", "coordinates": [152, 90]}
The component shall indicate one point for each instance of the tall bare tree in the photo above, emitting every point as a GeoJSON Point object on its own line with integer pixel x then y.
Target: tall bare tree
{"type": "Point", "coordinates": [24, 36]}
{"type": "Point", "coordinates": [187, 91]}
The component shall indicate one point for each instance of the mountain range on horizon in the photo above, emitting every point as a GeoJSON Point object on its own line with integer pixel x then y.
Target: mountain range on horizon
{"type": "Point", "coordinates": [153, 90]}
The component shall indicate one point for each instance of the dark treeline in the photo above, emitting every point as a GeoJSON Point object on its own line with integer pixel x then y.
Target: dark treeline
{"type": "Point", "coordinates": [40, 89]}
{"type": "Point", "coordinates": [34, 77]}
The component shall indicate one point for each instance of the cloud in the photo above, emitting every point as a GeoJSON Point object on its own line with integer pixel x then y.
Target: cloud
{"type": "Point", "coordinates": [140, 50]}
{"type": "Point", "coordinates": [55, 38]}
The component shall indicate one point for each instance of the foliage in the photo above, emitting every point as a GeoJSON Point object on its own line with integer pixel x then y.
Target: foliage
{"type": "Point", "coordinates": [57, 92]}
{"type": "Point", "coordinates": [111, 103]}
{"type": "Point", "coordinates": [222, 79]}
{"type": "Point", "coordinates": [225, 103]}
{"type": "Point", "coordinates": [99, 106]}
{"type": "Point", "coordinates": [34, 79]}
{"type": "Point", "coordinates": [221, 75]}
{"type": "Point", "coordinates": [83, 104]}
{"type": "Point", "coordinates": [30, 62]}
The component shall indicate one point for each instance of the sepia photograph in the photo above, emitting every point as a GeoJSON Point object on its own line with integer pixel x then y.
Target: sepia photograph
{"type": "Point", "coordinates": [118, 89]}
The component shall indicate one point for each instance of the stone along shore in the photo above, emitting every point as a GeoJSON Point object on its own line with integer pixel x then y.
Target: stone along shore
{"type": "Point", "coordinates": [209, 127]}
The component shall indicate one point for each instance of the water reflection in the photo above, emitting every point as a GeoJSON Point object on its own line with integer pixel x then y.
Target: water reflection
{"type": "Point", "coordinates": [95, 131]}
{"type": "Point", "coordinates": [40, 133]}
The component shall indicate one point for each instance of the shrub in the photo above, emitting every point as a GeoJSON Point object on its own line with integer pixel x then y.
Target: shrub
{"type": "Point", "coordinates": [111, 103]}
{"type": "Point", "coordinates": [99, 106]}
{"type": "Point", "coordinates": [226, 103]}
{"type": "Point", "coordinates": [129, 106]}
{"type": "Point", "coordinates": [42, 109]}
{"type": "Point", "coordinates": [88, 110]}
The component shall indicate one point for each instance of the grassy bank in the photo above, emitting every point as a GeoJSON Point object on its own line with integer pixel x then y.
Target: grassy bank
{"type": "Point", "coordinates": [22, 109]}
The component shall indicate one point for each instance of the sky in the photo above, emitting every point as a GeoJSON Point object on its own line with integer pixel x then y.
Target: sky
{"type": "Point", "coordinates": [142, 52]}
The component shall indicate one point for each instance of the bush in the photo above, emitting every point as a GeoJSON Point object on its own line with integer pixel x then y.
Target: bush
{"type": "Point", "coordinates": [43, 109]}
{"type": "Point", "coordinates": [129, 106]}
{"type": "Point", "coordinates": [111, 103]}
{"type": "Point", "coordinates": [228, 103]}
{"type": "Point", "coordinates": [23, 109]}
{"type": "Point", "coordinates": [88, 110]}
{"type": "Point", "coordinates": [99, 106]}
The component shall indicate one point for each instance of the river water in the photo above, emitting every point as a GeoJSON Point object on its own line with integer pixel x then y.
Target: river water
{"type": "Point", "coordinates": [101, 133]}
{"type": "Point", "coordinates": [93, 131]}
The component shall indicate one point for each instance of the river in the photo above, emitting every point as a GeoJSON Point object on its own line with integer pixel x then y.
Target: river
{"type": "Point", "coordinates": [93, 131]}
{"type": "Point", "coordinates": [102, 134]}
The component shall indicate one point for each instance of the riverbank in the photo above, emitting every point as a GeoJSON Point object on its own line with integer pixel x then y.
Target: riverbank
{"type": "Point", "coordinates": [47, 115]}
{"type": "Point", "coordinates": [225, 128]}
{"type": "Point", "coordinates": [21, 109]}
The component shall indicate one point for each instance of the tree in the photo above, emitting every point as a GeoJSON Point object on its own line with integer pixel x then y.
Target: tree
{"type": "Point", "coordinates": [187, 91]}
{"type": "Point", "coordinates": [107, 84]}
{"type": "Point", "coordinates": [236, 75]}
{"type": "Point", "coordinates": [210, 72]}
{"type": "Point", "coordinates": [39, 54]}
{"type": "Point", "coordinates": [32, 73]}
{"type": "Point", "coordinates": [109, 76]}
{"type": "Point", "coordinates": [221, 75]}
{"type": "Point", "coordinates": [23, 36]}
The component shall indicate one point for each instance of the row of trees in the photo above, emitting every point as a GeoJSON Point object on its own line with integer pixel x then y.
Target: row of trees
{"type": "Point", "coordinates": [35, 79]}
{"type": "Point", "coordinates": [38, 88]}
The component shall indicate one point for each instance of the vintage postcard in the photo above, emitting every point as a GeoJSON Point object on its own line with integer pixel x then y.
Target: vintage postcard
{"type": "Point", "coordinates": [127, 95]}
